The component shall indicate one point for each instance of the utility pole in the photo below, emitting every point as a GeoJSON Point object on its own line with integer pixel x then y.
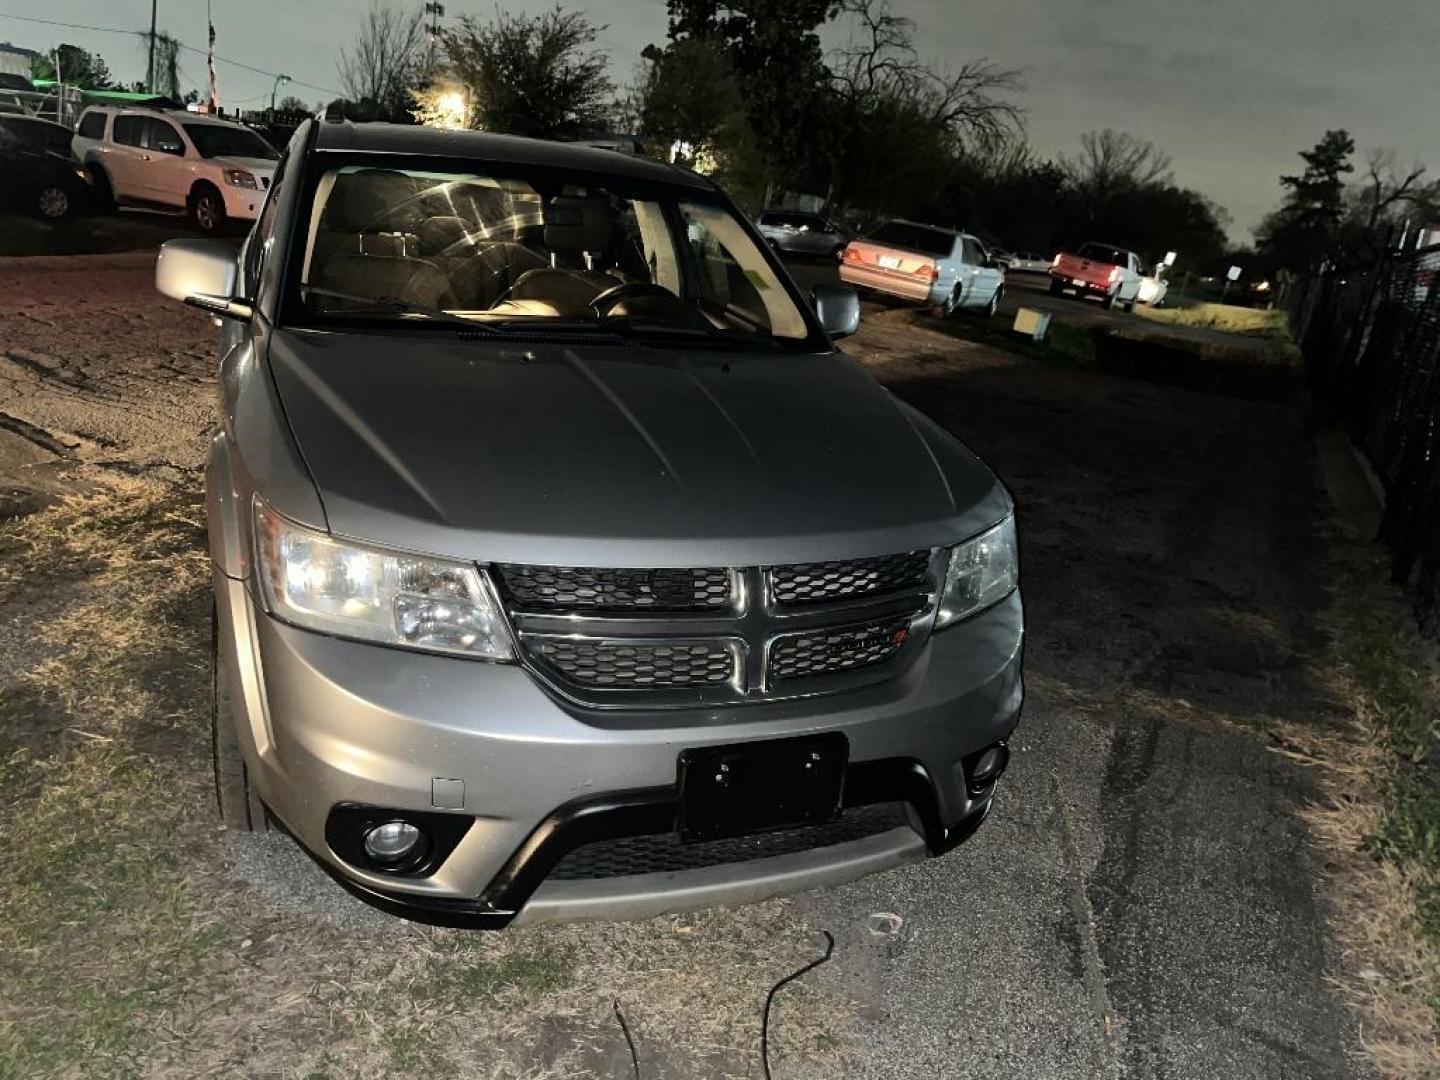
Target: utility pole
{"type": "Point", "coordinates": [150, 64]}
{"type": "Point", "coordinates": [436, 11]}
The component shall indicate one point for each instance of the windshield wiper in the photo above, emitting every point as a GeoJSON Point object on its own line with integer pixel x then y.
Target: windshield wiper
{"type": "Point", "coordinates": [397, 306]}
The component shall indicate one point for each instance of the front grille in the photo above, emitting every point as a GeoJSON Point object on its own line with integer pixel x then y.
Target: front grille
{"type": "Point", "coordinates": [599, 589]}
{"type": "Point", "coordinates": [810, 583]}
{"type": "Point", "coordinates": [614, 664]}
{"type": "Point", "coordinates": [715, 636]}
{"type": "Point", "coordinates": [665, 853]}
{"type": "Point", "coordinates": [825, 652]}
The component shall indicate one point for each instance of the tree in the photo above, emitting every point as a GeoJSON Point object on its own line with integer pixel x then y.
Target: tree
{"type": "Point", "coordinates": [898, 128]}
{"type": "Point", "coordinates": [964, 106]}
{"type": "Point", "coordinates": [385, 61]}
{"type": "Point", "coordinates": [778, 60]}
{"type": "Point", "coordinates": [292, 104]}
{"type": "Point", "coordinates": [1112, 164]}
{"type": "Point", "coordinates": [1303, 230]}
{"type": "Point", "coordinates": [167, 67]}
{"type": "Point", "coordinates": [77, 67]}
{"type": "Point", "coordinates": [534, 75]}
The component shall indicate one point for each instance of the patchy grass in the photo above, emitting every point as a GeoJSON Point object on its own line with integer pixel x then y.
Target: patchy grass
{"type": "Point", "coordinates": [127, 950]}
{"type": "Point", "coordinates": [1380, 818]}
{"type": "Point", "coordinates": [1231, 319]}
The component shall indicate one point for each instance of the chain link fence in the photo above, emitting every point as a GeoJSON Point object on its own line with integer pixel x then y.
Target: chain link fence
{"type": "Point", "coordinates": [1371, 341]}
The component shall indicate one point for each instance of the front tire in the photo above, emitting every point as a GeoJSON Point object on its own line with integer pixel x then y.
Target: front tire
{"type": "Point", "coordinates": [52, 203]}
{"type": "Point", "coordinates": [994, 305]}
{"type": "Point", "coordinates": [240, 807]}
{"type": "Point", "coordinates": [1110, 299]}
{"type": "Point", "coordinates": [207, 210]}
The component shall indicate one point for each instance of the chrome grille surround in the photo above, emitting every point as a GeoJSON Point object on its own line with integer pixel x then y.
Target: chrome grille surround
{"type": "Point", "coordinates": [753, 648]}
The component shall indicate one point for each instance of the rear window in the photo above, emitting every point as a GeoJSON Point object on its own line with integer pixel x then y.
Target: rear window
{"type": "Point", "coordinates": [38, 134]}
{"type": "Point", "coordinates": [1104, 253]}
{"type": "Point", "coordinates": [92, 125]}
{"type": "Point", "coordinates": [921, 238]}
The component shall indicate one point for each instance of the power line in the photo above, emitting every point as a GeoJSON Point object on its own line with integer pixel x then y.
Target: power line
{"type": "Point", "coordinates": [187, 48]}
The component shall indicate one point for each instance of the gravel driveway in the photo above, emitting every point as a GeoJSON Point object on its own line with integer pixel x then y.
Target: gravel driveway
{"type": "Point", "coordinates": [1143, 902]}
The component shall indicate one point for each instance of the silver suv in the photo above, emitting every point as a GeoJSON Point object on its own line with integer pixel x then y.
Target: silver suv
{"type": "Point", "coordinates": [563, 567]}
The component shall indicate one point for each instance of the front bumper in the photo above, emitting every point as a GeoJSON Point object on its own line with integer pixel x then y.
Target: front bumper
{"type": "Point", "coordinates": [326, 723]}
{"type": "Point", "coordinates": [243, 203]}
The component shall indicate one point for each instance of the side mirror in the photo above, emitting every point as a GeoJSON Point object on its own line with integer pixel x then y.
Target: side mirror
{"type": "Point", "coordinates": [203, 274]}
{"type": "Point", "coordinates": [838, 308]}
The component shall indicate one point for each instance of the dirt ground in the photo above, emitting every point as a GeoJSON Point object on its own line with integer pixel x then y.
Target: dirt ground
{"type": "Point", "coordinates": [1145, 902]}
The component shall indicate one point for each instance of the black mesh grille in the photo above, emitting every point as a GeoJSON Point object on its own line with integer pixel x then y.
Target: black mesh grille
{"type": "Point", "coordinates": [810, 583]}
{"type": "Point", "coordinates": [665, 853]}
{"type": "Point", "coordinates": [640, 666]}
{"type": "Point", "coordinates": [822, 652]}
{"type": "Point", "coordinates": [601, 589]}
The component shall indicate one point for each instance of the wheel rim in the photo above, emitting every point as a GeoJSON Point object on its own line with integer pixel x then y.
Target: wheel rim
{"type": "Point", "coordinates": [994, 303]}
{"type": "Point", "coordinates": [205, 214]}
{"type": "Point", "coordinates": [54, 203]}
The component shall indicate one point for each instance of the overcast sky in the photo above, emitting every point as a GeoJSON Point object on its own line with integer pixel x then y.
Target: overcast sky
{"type": "Point", "coordinates": [1231, 89]}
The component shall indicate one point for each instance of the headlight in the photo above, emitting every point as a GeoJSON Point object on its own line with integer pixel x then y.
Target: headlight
{"type": "Point", "coordinates": [315, 581]}
{"type": "Point", "coordinates": [982, 572]}
{"type": "Point", "coordinates": [240, 178]}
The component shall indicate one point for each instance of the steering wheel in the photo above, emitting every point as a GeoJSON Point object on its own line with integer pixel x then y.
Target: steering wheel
{"type": "Point", "coordinates": [605, 301]}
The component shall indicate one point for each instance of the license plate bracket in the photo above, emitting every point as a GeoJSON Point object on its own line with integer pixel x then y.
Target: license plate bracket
{"type": "Point", "coordinates": [756, 787]}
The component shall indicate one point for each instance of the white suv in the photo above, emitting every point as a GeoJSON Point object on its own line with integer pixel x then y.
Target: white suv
{"type": "Point", "coordinates": [211, 168]}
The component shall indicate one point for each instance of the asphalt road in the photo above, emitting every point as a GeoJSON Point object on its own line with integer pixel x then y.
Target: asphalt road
{"type": "Point", "coordinates": [1144, 901]}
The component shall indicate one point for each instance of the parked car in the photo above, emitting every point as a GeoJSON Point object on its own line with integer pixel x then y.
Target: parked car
{"type": "Point", "coordinates": [796, 232]}
{"type": "Point", "coordinates": [923, 262]}
{"type": "Point", "coordinates": [563, 567]}
{"type": "Point", "coordinates": [213, 169]}
{"type": "Point", "coordinates": [37, 175]}
{"type": "Point", "coordinates": [1102, 270]}
{"type": "Point", "coordinates": [1028, 262]}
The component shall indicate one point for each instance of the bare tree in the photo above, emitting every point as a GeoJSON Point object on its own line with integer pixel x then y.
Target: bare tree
{"type": "Point", "coordinates": [1385, 189]}
{"type": "Point", "coordinates": [386, 58]}
{"type": "Point", "coordinates": [1112, 161]}
{"type": "Point", "coordinates": [881, 64]}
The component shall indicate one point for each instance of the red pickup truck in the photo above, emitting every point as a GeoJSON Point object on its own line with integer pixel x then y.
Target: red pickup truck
{"type": "Point", "coordinates": [1102, 270]}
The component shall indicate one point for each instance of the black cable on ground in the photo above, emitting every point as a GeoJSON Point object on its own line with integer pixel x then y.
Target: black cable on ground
{"type": "Point", "coordinates": [624, 1027]}
{"type": "Point", "coordinates": [765, 1016]}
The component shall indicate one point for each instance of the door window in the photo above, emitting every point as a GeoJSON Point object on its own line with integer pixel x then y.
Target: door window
{"type": "Point", "coordinates": [257, 247]}
{"type": "Point", "coordinates": [974, 253]}
{"type": "Point", "coordinates": [92, 125]}
{"type": "Point", "coordinates": [130, 130]}
{"type": "Point", "coordinates": [164, 138]}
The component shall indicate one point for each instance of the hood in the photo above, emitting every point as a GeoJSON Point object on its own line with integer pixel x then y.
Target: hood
{"type": "Point", "coordinates": [603, 455]}
{"type": "Point", "coordinates": [258, 166]}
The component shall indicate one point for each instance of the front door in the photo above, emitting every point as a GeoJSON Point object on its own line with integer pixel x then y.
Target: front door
{"type": "Point", "coordinates": [167, 172]}
{"type": "Point", "coordinates": [127, 156]}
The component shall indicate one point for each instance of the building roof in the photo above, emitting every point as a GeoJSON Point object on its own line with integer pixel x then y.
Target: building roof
{"type": "Point", "coordinates": [487, 146]}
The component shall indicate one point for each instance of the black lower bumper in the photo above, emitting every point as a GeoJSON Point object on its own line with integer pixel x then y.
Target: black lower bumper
{"type": "Point", "coordinates": [646, 812]}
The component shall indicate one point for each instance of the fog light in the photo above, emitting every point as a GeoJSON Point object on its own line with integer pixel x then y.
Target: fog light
{"type": "Point", "coordinates": [393, 842]}
{"type": "Point", "coordinates": [988, 767]}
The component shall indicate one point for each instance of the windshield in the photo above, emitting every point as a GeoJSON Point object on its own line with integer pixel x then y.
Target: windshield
{"type": "Point", "coordinates": [902, 234]}
{"type": "Point", "coordinates": [1103, 253]}
{"type": "Point", "coordinates": [533, 248]}
{"type": "Point", "coordinates": [221, 140]}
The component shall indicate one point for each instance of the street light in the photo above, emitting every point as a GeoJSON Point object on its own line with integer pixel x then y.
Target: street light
{"type": "Point", "coordinates": [278, 80]}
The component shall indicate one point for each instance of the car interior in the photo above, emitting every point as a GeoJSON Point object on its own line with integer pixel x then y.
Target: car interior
{"type": "Point", "coordinates": [503, 248]}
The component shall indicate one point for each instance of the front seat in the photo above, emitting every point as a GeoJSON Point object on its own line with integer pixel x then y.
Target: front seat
{"type": "Point", "coordinates": [577, 231]}
{"type": "Point", "coordinates": [415, 280]}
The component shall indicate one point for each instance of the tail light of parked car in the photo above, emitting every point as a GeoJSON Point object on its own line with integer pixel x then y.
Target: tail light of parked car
{"type": "Point", "coordinates": [851, 254]}
{"type": "Point", "coordinates": [927, 271]}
